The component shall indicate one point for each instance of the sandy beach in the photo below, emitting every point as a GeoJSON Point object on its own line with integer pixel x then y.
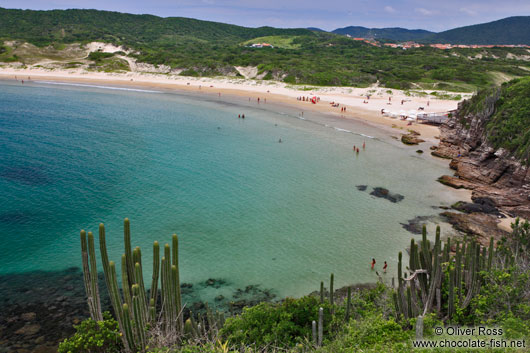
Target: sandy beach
{"type": "Point", "coordinates": [354, 100]}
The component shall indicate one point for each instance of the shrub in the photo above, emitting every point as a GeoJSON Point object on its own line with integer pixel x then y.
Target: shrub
{"type": "Point", "coordinates": [284, 324]}
{"type": "Point", "coordinates": [98, 55]}
{"type": "Point", "coordinates": [94, 337]}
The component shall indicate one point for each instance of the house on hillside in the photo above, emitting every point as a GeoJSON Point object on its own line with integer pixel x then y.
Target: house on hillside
{"type": "Point", "coordinates": [261, 45]}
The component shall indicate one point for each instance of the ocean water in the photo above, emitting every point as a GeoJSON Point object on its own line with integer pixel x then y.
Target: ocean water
{"type": "Point", "coordinates": [247, 209]}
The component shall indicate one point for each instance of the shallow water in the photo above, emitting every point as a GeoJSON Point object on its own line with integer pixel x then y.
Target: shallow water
{"type": "Point", "coordinates": [247, 209]}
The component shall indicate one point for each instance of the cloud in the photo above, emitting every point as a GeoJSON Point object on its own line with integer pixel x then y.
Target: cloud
{"type": "Point", "coordinates": [425, 12]}
{"type": "Point", "coordinates": [468, 11]}
{"type": "Point", "coordinates": [389, 9]}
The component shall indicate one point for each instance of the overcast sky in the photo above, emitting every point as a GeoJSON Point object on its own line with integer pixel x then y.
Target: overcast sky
{"type": "Point", "coordinates": [326, 14]}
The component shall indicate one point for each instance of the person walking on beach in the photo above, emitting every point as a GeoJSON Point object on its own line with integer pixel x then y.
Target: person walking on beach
{"type": "Point", "coordinates": [373, 263]}
{"type": "Point", "coordinates": [384, 267]}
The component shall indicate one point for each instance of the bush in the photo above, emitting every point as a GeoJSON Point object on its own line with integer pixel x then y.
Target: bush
{"type": "Point", "coordinates": [98, 55]}
{"type": "Point", "coordinates": [284, 324]}
{"type": "Point", "coordinates": [94, 337]}
{"type": "Point", "coordinates": [374, 334]}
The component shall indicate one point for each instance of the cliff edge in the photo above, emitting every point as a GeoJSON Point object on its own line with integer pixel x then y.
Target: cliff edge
{"type": "Point", "coordinates": [488, 142]}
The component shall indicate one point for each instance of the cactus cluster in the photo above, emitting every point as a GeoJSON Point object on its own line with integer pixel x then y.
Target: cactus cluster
{"type": "Point", "coordinates": [420, 292]}
{"type": "Point", "coordinates": [136, 308]}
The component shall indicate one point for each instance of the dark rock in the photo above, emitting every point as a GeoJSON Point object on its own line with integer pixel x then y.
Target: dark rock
{"type": "Point", "coordinates": [385, 194]}
{"type": "Point", "coordinates": [216, 283]}
{"type": "Point", "coordinates": [361, 187]}
{"type": "Point", "coordinates": [415, 225]}
{"type": "Point", "coordinates": [219, 298]}
{"type": "Point", "coordinates": [480, 204]}
{"type": "Point", "coordinates": [419, 151]}
{"type": "Point", "coordinates": [482, 225]}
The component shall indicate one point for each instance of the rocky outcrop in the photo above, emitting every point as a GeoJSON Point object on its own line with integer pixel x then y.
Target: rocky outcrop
{"type": "Point", "coordinates": [491, 173]}
{"type": "Point", "coordinates": [482, 225]}
{"type": "Point", "coordinates": [411, 139]}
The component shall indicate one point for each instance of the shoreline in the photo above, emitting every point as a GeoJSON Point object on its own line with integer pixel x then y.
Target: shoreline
{"type": "Point", "coordinates": [274, 92]}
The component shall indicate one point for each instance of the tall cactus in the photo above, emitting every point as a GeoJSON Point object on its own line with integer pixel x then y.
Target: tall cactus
{"type": "Point", "coordinates": [134, 309]}
{"type": "Point", "coordinates": [90, 275]}
{"type": "Point", "coordinates": [331, 293]}
{"type": "Point", "coordinates": [348, 304]}
{"type": "Point", "coordinates": [427, 264]}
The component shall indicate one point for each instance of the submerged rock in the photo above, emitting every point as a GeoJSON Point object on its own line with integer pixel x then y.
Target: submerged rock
{"type": "Point", "coordinates": [215, 283]}
{"type": "Point", "coordinates": [415, 225]}
{"type": "Point", "coordinates": [361, 187]}
{"type": "Point", "coordinates": [386, 194]}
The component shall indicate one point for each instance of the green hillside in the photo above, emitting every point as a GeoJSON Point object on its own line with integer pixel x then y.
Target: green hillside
{"type": "Point", "coordinates": [300, 56]}
{"type": "Point", "coordinates": [46, 27]}
{"type": "Point", "coordinates": [397, 34]}
{"type": "Point", "coordinates": [508, 125]}
{"type": "Point", "coordinates": [511, 30]}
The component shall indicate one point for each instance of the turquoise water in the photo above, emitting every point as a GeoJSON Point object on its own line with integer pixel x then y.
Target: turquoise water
{"type": "Point", "coordinates": [247, 209]}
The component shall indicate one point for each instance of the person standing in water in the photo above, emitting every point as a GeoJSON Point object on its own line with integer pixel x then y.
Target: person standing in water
{"type": "Point", "coordinates": [364, 145]}
{"type": "Point", "coordinates": [373, 263]}
{"type": "Point", "coordinates": [384, 267]}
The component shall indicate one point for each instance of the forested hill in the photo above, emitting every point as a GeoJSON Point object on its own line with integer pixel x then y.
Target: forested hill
{"type": "Point", "coordinates": [510, 30]}
{"type": "Point", "coordinates": [398, 34]}
{"type": "Point", "coordinates": [67, 26]}
{"type": "Point", "coordinates": [192, 47]}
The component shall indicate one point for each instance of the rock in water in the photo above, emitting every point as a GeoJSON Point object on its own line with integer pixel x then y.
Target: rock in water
{"type": "Point", "coordinates": [385, 194]}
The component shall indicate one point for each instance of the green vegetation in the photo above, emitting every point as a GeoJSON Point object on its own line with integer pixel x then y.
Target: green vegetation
{"type": "Point", "coordinates": [94, 337]}
{"type": "Point", "coordinates": [507, 112]}
{"type": "Point", "coordinates": [281, 325]}
{"type": "Point", "coordinates": [445, 283]}
{"type": "Point", "coordinates": [511, 30]}
{"type": "Point", "coordinates": [98, 55]}
{"type": "Point", "coordinates": [300, 56]}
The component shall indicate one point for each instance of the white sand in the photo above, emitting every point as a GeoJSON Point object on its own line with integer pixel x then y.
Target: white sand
{"type": "Point", "coordinates": [352, 98]}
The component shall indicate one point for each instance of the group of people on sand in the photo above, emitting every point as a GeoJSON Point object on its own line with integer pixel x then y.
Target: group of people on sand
{"type": "Point", "coordinates": [307, 99]}
{"type": "Point", "coordinates": [385, 266]}
{"type": "Point", "coordinates": [357, 150]}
